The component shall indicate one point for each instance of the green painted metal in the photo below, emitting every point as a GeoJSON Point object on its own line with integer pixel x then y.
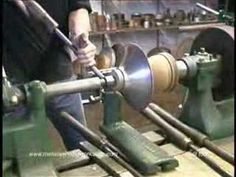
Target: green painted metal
{"type": "Point", "coordinates": [23, 136]}
{"type": "Point", "coordinates": [144, 155]}
{"type": "Point", "coordinates": [201, 111]}
{"type": "Point", "coordinates": [226, 17]}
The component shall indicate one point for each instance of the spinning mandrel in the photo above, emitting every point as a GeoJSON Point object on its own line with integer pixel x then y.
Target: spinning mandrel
{"type": "Point", "coordinates": [164, 69]}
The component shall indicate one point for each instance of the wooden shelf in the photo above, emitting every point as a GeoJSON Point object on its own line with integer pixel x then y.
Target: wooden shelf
{"type": "Point", "coordinates": [166, 27]}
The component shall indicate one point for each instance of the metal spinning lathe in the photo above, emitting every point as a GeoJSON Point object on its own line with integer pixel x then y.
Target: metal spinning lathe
{"type": "Point", "coordinates": [208, 73]}
{"type": "Point", "coordinates": [129, 79]}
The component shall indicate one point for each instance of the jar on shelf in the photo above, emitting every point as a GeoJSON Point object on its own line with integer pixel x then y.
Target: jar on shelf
{"type": "Point", "coordinates": [148, 20]}
{"type": "Point", "coordinates": [167, 17]}
{"type": "Point", "coordinates": [179, 17]}
{"type": "Point", "coordinates": [159, 20]}
{"type": "Point", "coordinates": [137, 20]}
{"type": "Point", "coordinates": [119, 18]}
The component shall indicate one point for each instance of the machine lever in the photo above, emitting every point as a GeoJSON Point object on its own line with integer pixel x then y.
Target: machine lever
{"type": "Point", "coordinates": [182, 140]}
{"type": "Point", "coordinates": [197, 136]}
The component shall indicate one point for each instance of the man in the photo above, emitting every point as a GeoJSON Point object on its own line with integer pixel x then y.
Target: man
{"type": "Point", "coordinates": [30, 53]}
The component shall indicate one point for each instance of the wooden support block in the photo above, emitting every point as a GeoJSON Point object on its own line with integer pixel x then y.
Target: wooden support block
{"type": "Point", "coordinates": [70, 159]}
{"type": "Point", "coordinates": [92, 170]}
{"type": "Point", "coordinates": [171, 149]}
{"type": "Point", "coordinates": [154, 137]}
{"type": "Point", "coordinates": [148, 127]}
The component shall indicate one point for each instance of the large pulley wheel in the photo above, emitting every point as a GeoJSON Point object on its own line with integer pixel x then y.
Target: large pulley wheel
{"type": "Point", "coordinates": [219, 41]}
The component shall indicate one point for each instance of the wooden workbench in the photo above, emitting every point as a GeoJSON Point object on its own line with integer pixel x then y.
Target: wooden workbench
{"type": "Point", "coordinates": [189, 164]}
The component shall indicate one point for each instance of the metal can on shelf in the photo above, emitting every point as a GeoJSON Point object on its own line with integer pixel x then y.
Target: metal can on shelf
{"type": "Point", "coordinates": [101, 22]}
{"type": "Point", "coordinates": [108, 22]}
{"type": "Point", "coordinates": [113, 23]}
{"type": "Point", "coordinates": [148, 20]}
{"type": "Point", "coordinates": [93, 21]}
{"type": "Point", "coordinates": [159, 20]}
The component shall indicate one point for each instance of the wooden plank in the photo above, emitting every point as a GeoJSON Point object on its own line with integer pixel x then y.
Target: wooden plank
{"type": "Point", "coordinates": [226, 143]}
{"type": "Point", "coordinates": [171, 149]}
{"type": "Point", "coordinates": [123, 30]}
{"type": "Point", "coordinates": [92, 170]}
{"type": "Point", "coordinates": [105, 160]}
{"type": "Point", "coordinates": [147, 128]}
{"type": "Point", "coordinates": [223, 164]}
{"type": "Point", "coordinates": [154, 137]}
{"type": "Point", "coordinates": [189, 165]}
{"type": "Point", "coordinates": [70, 159]}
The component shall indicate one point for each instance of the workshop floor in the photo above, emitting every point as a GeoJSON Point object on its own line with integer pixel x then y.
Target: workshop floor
{"type": "Point", "coordinates": [189, 164]}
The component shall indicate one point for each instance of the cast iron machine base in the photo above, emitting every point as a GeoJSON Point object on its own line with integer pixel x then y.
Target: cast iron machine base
{"type": "Point", "coordinates": [208, 73]}
{"type": "Point", "coordinates": [210, 102]}
{"type": "Point", "coordinates": [147, 157]}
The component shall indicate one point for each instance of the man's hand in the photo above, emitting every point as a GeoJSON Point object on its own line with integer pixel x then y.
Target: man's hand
{"type": "Point", "coordinates": [86, 51]}
{"type": "Point", "coordinates": [79, 27]}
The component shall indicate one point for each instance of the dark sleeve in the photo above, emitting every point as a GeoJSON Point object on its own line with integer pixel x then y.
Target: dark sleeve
{"type": "Point", "coordinates": [77, 4]}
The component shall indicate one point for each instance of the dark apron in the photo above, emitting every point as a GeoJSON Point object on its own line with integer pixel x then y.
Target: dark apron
{"type": "Point", "coordinates": [30, 52]}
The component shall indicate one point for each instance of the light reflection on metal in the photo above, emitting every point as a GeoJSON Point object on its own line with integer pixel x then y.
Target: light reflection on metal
{"type": "Point", "coordinates": [138, 77]}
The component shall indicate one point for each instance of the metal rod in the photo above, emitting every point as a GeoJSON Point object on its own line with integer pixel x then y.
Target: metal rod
{"type": "Point", "coordinates": [65, 40]}
{"type": "Point", "coordinates": [198, 27]}
{"type": "Point", "coordinates": [98, 142]}
{"type": "Point", "coordinates": [91, 136]}
{"type": "Point", "coordinates": [97, 72]}
{"type": "Point", "coordinates": [77, 86]}
{"type": "Point", "coordinates": [194, 134]}
{"type": "Point", "coordinates": [209, 161]}
{"type": "Point", "coordinates": [40, 12]}
{"type": "Point", "coordinates": [182, 69]}
{"type": "Point", "coordinates": [220, 152]}
{"type": "Point", "coordinates": [207, 8]}
{"type": "Point", "coordinates": [197, 136]}
{"type": "Point", "coordinates": [182, 140]}
{"type": "Point", "coordinates": [3, 73]}
{"type": "Point", "coordinates": [174, 135]}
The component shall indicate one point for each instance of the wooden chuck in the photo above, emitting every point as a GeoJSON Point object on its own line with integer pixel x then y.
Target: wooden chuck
{"type": "Point", "coordinates": [164, 70]}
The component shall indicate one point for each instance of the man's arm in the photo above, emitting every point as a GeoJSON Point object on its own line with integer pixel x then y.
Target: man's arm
{"type": "Point", "coordinates": [79, 23]}
{"type": "Point", "coordinates": [79, 17]}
